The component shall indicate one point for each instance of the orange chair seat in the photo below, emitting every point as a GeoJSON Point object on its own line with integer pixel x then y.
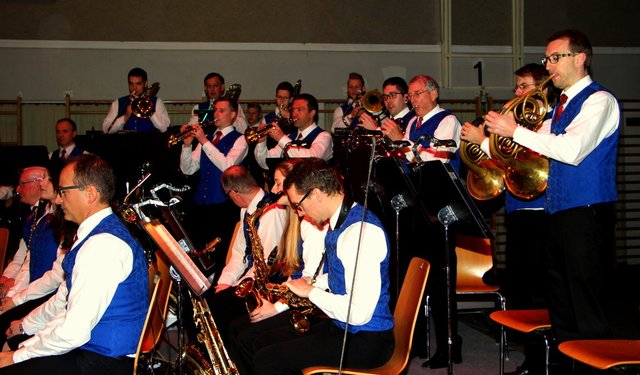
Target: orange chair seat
{"type": "Point", "coordinates": [523, 320]}
{"type": "Point", "coordinates": [603, 354]}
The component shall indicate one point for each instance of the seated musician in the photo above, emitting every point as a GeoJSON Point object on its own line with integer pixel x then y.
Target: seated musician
{"type": "Point", "coordinates": [214, 89]}
{"type": "Point", "coordinates": [242, 189]}
{"type": "Point", "coordinates": [308, 140]}
{"type": "Point", "coordinates": [212, 214]}
{"type": "Point", "coordinates": [254, 115]}
{"type": "Point", "coordinates": [94, 321]}
{"type": "Point", "coordinates": [397, 104]}
{"type": "Point", "coordinates": [315, 191]}
{"type": "Point", "coordinates": [344, 116]}
{"type": "Point", "coordinates": [121, 116]}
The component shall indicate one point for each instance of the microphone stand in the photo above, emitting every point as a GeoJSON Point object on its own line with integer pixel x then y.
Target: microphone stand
{"type": "Point", "coordinates": [447, 216]}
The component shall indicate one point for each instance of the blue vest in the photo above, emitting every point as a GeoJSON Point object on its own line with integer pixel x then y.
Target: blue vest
{"type": "Point", "coordinates": [118, 331]}
{"type": "Point", "coordinates": [209, 190]}
{"type": "Point", "coordinates": [406, 119]}
{"type": "Point", "coordinates": [270, 117]}
{"type": "Point", "coordinates": [382, 318]}
{"type": "Point", "coordinates": [298, 273]}
{"type": "Point", "coordinates": [429, 128]}
{"type": "Point", "coordinates": [77, 151]}
{"type": "Point", "coordinates": [346, 109]}
{"type": "Point", "coordinates": [309, 139]}
{"type": "Point", "coordinates": [594, 179]}
{"type": "Point", "coordinates": [143, 125]}
{"type": "Point", "coordinates": [43, 248]}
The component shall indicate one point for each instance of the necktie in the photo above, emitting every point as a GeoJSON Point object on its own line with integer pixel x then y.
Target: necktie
{"type": "Point", "coordinates": [217, 138]}
{"type": "Point", "coordinates": [299, 137]}
{"type": "Point", "coordinates": [63, 154]}
{"type": "Point", "coordinates": [419, 122]}
{"type": "Point", "coordinates": [563, 99]}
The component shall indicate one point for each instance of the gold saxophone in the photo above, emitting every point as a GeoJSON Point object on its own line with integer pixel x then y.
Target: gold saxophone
{"type": "Point", "coordinates": [195, 362]}
{"type": "Point", "coordinates": [258, 287]}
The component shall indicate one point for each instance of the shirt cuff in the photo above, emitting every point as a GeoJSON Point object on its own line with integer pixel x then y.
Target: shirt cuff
{"type": "Point", "coordinates": [280, 306]}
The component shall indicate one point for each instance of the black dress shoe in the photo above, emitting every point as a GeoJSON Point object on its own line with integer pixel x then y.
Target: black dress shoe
{"type": "Point", "coordinates": [440, 359]}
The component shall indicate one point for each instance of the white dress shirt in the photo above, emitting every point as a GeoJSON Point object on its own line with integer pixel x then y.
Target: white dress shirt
{"type": "Point", "coordinates": [190, 160]}
{"type": "Point", "coordinates": [322, 147]}
{"type": "Point", "coordinates": [160, 118]}
{"type": "Point", "coordinates": [48, 283]}
{"type": "Point", "coordinates": [65, 322]}
{"type": "Point", "coordinates": [449, 128]}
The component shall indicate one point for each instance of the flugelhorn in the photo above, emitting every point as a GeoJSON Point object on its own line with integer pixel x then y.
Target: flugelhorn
{"type": "Point", "coordinates": [143, 106]}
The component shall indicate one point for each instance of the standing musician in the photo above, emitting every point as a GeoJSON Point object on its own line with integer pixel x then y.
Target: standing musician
{"type": "Point", "coordinates": [66, 131]}
{"type": "Point", "coordinates": [213, 90]}
{"type": "Point", "coordinates": [397, 103]}
{"type": "Point", "coordinates": [212, 214]}
{"type": "Point", "coordinates": [343, 116]}
{"type": "Point", "coordinates": [581, 193]}
{"type": "Point", "coordinates": [315, 191]}
{"type": "Point", "coordinates": [120, 116]}
{"type": "Point", "coordinates": [308, 140]}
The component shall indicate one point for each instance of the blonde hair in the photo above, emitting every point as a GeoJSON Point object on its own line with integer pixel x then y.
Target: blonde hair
{"type": "Point", "coordinates": [288, 248]}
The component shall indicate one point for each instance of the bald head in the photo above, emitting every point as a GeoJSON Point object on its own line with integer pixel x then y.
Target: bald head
{"type": "Point", "coordinates": [28, 188]}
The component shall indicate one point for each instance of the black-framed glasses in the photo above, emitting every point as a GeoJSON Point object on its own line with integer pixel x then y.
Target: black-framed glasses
{"type": "Point", "coordinates": [227, 192]}
{"type": "Point", "coordinates": [555, 57]}
{"type": "Point", "coordinates": [391, 95]}
{"type": "Point", "coordinates": [62, 189]}
{"type": "Point", "coordinates": [297, 206]}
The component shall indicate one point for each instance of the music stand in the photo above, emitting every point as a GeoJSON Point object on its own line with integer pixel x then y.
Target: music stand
{"type": "Point", "coordinates": [444, 196]}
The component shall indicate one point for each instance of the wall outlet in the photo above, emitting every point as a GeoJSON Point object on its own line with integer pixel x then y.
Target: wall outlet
{"type": "Point", "coordinates": [68, 93]}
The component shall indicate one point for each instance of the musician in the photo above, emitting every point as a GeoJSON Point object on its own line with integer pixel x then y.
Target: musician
{"type": "Point", "coordinates": [212, 214]}
{"type": "Point", "coordinates": [343, 116]}
{"type": "Point", "coordinates": [308, 140]}
{"type": "Point", "coordinates": [242, 189]}
{"type": "Point", "coordinates": [526, 223]}
{"type": "Point", "coordinates": [66, 131]}
{"type": "Point", "coordinates": [254, 115]}
{"type": "Point", "coordinates": [315, 191]}
{"type": "Point", "coordinates": [396, 102]}
{"type": "Point", "coordinates": [582, 148]}
{"type": "Point", "coordinates": [214, 89]}
{"type": "Point", "coordinates": [121, 117]}
{"type": "Point", "coordinates": [284, 97]}
{"type": "Point", "coordinates": [94, 321]}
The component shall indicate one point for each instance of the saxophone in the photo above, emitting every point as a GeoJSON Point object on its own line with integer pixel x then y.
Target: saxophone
{"type": "Point", "coordinates": [195, 362]}
{"type": "Point", "coordinates": [253, 290]}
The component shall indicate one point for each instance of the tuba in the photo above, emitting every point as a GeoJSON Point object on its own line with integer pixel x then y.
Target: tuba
{"type": "Point", "coordinates": [143, 106]}
{"type": "Point", "coordinates": [258, 287]}
{"type": "Point", "coordinates": [218, 361]}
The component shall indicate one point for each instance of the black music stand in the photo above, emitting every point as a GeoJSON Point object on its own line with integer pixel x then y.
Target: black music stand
{"type": "Point", "coordinates": [444, 197]}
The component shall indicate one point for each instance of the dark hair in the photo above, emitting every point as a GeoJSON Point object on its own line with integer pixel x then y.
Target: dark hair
{"type": "Point", "coordinates": [578, 43]}
{"type": "Point", "coordinates": [232, 102]}
{"type": "Point", "coordinates": [89, 170]}
{"type": "Point", "coordinates": [70, 121]}
{"type": "Point", "coordinates": [238, 178]}
{"type": "Point", "coordinates": [285, 86]}
{"type": "Point", "coordinates": [255, 105]}
{"type": "Point", "coordinates": [312, 173]}
{"type": "Point", "coordinates": [214, 74]}
{"type": "Point", "coordinates": [138, 72]}
{"type": "Point", "coordinates": [400, 83]}
{"type": "Point", "coordinates": [535, 71]}
{"type": "Point", "coordinates": [312, 104]}
{"type": "Point", "coordinates": [358, 76]}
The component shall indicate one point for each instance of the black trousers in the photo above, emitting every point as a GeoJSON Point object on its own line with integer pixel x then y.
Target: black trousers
{"type": "Point", "coordinates": [75, 362]}
{"type": "Point", "coordinates": [580, 263]}
{"type": "Point", "coordinates": [17, 313]}
{"type": "Point", "coordinates": [274, 347]}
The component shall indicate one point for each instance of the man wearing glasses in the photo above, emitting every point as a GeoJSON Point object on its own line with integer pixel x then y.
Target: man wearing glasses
{"type": "Point", "coordinates": [397, 103]}
{"type": "Point", "coordinates": [93, 323]}
{"type": "Point", "coordinates": [582, 148]}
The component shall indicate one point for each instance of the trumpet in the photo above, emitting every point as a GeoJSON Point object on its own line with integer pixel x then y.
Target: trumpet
{"type": "Point", "coordinates": [254, 136]}
{"type": "Point", "coordinates": [175, 139]}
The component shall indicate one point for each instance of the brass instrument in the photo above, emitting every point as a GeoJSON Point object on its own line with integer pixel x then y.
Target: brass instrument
{"type": "Point", "coordinates": [258, 287]}
{"type": "Point", "coordinates": [218, 361]}
{"type": "Point", "coordinates": [231, 92]}
{"type": "Point", "coordinates": [254, 136]}
{"type": "Point", "coordinates": [525, 171]}
{"type": "Point", "coordinates": [143, 106]}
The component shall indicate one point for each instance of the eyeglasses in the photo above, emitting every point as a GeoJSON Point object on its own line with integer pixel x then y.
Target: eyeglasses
{"type": "Point", "coordinates": [523, 86]}
{"type": "Point", "coordinates": [61, 189]}
{"type": "Point", "coordinates": [297, 206]}
{"type": "Point", "coordinates": [555, 57]}
{"type": "Point", "coordinates": [228, 192]}
{"type": "Point", "coordinates": [416, 94]}
{"type": "Point", "coordinates": [391, 95]}
{"type": "Point", "coordinates": [38, 179]}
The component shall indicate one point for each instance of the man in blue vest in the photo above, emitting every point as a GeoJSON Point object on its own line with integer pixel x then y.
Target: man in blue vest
{"type": "Point", "coordinates": [120, 116]}
{"type": "Point", "coordinates": [66, 131]}
{"type": "Point", "coordinates": [212, 214]}
{"type": "Point", "coordinates": [315, 190]}
{"type": "Point", "coordinates": [214, 89]}
{"type": "Point", "coordinates": [581, 193]}
{"type": "Point", "coordinates": [306, 141]}
{"type": "Point", "coordinates": [345, 116]}
{"type": "Point", "coordinates": [397, 104]}
{"type": "Point", "coordinates": [93, 323]}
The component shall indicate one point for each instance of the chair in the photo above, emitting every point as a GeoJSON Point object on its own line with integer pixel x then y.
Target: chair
{"type": "Point", "coordinates": [404, 318]}
{"type": "Point", "coordinates": [475, 259]}
{"type": "Point", "coordinates": [155, 322]}
{"type": "Point", "coordinates": [236, 230]}
{"type": "Point", "coordinates": [603, 354]}
{"type": "Point", "coordinates": [4, 242]}
{"type": "Point", "coordinates": [526, 321]}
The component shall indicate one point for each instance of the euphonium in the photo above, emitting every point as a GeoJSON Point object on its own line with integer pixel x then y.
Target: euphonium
{"type": "Point", "coordinates": [218, 361]}
{"type": "Point", "coordinates": [253, 290]}
{"type": "Point", "coordinates": [525, 171]}
{"type": "Point", "coordinates": [143, 106]}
